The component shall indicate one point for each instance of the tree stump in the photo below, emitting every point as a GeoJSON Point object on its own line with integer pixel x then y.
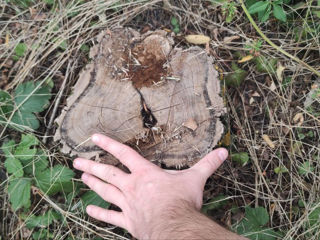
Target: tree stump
{"type": "Point", "coordinates": [162, 101]}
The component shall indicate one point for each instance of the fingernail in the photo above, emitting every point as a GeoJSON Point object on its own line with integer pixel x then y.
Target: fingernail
{"type": "Point", "coordinates": [77, 163]}
{"type": "Point", "coordinates": [223, 154]}
{"type": "Point", "coordinates": [95, 138]}
{"type": "Point", "coordinates": [84, 177]}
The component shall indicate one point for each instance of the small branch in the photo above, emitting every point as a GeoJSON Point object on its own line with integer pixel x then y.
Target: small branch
{"type": "Point", "coordinates": [273, 44]}
{"type": "Point", "coordinates": [55, 108]}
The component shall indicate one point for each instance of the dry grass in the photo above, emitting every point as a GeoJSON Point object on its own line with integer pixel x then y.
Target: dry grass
{"type": "Point", "coordinates": [271, 113]}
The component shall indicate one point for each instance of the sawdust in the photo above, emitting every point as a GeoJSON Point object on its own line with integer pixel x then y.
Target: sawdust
{"type": "Point", "coordinates": [146, 64]}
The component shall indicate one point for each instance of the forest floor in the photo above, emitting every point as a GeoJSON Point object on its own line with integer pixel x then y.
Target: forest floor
{"type": "Point", "coordinates": [270, 76]}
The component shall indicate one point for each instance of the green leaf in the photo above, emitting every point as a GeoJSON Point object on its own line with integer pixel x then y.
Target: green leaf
{"type": "Point", "coordinates": [258, 7]}
{"type": "Point", "coordinates": [91, 198]}
{"type": "Point", "coordinates": [31, 102]}
{"type": "Point", "coordinates": [24, 150]}
{"type": "Point", "coordinates": [279, 13]}
{"type": "Point", "coordinates": [19, 193]}
{"type": "Point", "coordinates": [281, 169]}
{"type": "Point", "coordinates": [257, 216]}
{"type": "Point", "coordinates": [253, 225]}
{"type": "Point", "coordinates": [217, 202]}
{"type": "Point", "coordinates": [24, 120]}
{"type": "Point", "coordinates": [266, 65]}
{"type": "Point", "coordinates": [264, 16]}
{"type": "Point", "coordinates": [42, 221]}
{"type": "Point", "coordinates": [37, 164]}
{"type": "Point", "coordinates": [14, 166]}
{"type": "Point", "coordinates": [235, 78]}
{"type": "Point", "coordinates": [305, 168]}
{"type": "Point", "coordinates": [174, 21]}
{"type": "Point", "coordinates": [241, 158]}
{"type": "Point", "coordinates": [6, 105]}
{"type": "Point", "coordinates": [20, 49]}
{"type": "Point", "coordinates": [55, 179]}
{"type": "Point", "coordinates": [8, 148]}
{"type": "Point", "coordinates": [42, 234]}
{"type": "Point", "coordinates": [314, 217]}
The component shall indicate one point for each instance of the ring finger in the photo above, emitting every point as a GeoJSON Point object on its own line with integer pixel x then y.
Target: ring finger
{"type": "Point", "coordinates": [107, 191]}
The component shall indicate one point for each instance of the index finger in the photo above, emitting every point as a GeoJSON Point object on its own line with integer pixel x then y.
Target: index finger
{"type": "Point", "coordinates": [124, 153]}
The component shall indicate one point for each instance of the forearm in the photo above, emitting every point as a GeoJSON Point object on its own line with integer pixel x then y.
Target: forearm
{"type": "Point", "coordinates": [185, 222]}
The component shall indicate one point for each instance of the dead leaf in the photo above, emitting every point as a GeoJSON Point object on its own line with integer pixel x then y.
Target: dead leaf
{"type": "Point", "coordinates": [280, 70]}
{"type": "Point", "coordinates": [267, 139]}
{"type": "Point", "coordinates": [256, 94]}
{"type": "Point", "coordinates": [298, 119]}
{"type": "Point", "coordinates": [273, 86]}
{"type": "Point", "coordinates": [251, 101]}
{"type": "Point", "coordinates": [7, 39]}
{"type": "Point", "coordinates": [226, 139]}
{"type": "Point", "coordinates": [227, 40]}
{"type": "Point", "coordinates": [245, 59]}
{"type": "Point", "coordinates": [197, 39]}
{"type": "Point", "coordinates": [191, 124]}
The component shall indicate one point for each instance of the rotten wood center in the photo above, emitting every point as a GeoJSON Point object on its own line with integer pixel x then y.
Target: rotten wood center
{"type": "Point", "coordinates": [162, 101]}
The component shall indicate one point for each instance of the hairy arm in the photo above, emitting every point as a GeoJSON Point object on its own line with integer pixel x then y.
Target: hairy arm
{"type": "Point", "coordinates": [185, 222]}
{"type": "Point", "coordinates": [155, 203]}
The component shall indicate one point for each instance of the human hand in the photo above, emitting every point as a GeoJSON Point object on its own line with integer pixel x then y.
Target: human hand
{"type": "Point", "coordinates": [147, 195]}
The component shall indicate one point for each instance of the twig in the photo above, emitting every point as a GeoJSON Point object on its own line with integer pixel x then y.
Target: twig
{"type": "Point", "coordinates": [55, 108]}
{"type": "Point", "coordinates": [273, 44]}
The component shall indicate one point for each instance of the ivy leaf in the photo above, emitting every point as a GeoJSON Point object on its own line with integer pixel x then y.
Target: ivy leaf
{"type": "Point", "coordinates": [24, 150]}
{"type": "Point", "coordinates": [279, 13]}
{"type": "Point", "coordinates": [258, 7]}
{"type": "Point", "coordinates": [31, 102]}
{"type": "Point", "coordinates": [14, 166]}
{"type": "Point", "coordinates": [19, 193]}
{"type": "Point", "coordinates": [91, 198]}
{"type": "Point", "coordinates": [55, 179]}
{"type": "Point", "coordinates": [42, 221]}
{"type": "Point", "coordinates": [6, 105]}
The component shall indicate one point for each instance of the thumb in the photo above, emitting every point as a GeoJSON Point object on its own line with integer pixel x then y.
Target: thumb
{"type": "Point", "coordinates": [211, 162]}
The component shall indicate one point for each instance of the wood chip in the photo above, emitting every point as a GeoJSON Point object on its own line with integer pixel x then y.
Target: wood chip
{"type": "Point", "coordinates": [298, 119]}
{"type": "Point", "coordinates": [280, 70]}
{"type": "Point", "coordinates": [197, 39]}
{"type": "Point", "coordinates": [191, 124]}
{"type": "Point", "coordinates": [273, 87]}
{"type": "Point", "coordinates": [267, 139]}
{"type": "Point", "coordinates": [227, 40]}
{"type": "Point", "coordinates": [256, 94]}
{"type": "Point", "coordinates": [245, 59]}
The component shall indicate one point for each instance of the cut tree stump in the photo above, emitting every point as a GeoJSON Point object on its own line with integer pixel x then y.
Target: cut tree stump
{"type": "Point", "coordinates": [162, 101]}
